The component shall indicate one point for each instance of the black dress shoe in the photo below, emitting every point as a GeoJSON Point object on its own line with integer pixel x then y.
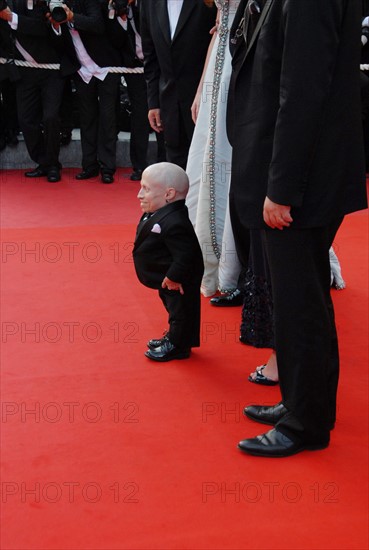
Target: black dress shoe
{"type": "Point", "coordinates": [36, 173]}
{"type": "Point", "coordinates": [106, 177]}
{"type": "Point", "coordinates": [87, 174]}
{"type": "Point", "coordinates": [53, 175]}
{"type": "Point", "coordinates": [275, 444]}
{"type": "Point", "coordinates": [167, 352]}
{"type": "Point", "coordinates": [235, 298]}
{"type": "Point", "coordinates": [156, 342]}
{"type": "Point", "coordinates": [136, 175]}
{"type": "Point", "coordinates": [266, 415]}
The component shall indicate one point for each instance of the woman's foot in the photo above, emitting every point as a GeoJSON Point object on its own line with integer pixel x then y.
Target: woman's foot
{"type": "Point", "coordinates": [266, 375]}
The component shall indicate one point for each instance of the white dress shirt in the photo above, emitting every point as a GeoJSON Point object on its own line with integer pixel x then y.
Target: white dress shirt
{"type": "Point", "coordinates": [88, 66]}
{"type": "Point", "coordinates": [174, 9]}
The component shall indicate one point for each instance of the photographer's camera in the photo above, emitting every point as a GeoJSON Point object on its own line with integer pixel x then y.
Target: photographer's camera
{"type": "Point", "coordinates": [118, 8]}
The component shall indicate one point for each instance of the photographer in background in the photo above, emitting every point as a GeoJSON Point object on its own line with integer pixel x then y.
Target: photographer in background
{"type": "Point", "coordinates": [124, 28]}
{"type": "Point", "coordinates": [87, 51]}
{"type": "Point", "coordinates": [8, 76]}
{"type": "Point", "coordinates": [39, 90]}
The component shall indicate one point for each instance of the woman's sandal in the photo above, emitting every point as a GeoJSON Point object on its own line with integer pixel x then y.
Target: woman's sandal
{"type": "Point", "coordinates": [261, 379]}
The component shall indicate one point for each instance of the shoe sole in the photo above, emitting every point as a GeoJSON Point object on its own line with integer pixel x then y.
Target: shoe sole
{"type": "Point", "coordinates": [285, 455]}
{"type": "Point", "coordinates": [166, 359]}
{"type": "Point", "coordinates": [228, 304]}
{"type": "Point", "coordinates": [266, 382]}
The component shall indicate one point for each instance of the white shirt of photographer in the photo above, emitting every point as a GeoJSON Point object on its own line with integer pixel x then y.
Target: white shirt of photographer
{"type": "Point", "coordinates": [14, 25]}
{"type": "Point", "coordinates": [88, 68]}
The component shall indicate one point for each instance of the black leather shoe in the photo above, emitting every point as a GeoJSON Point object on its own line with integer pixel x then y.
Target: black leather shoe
{"type": "Point", "coordinates": [36, 173]}
{"type": "Point", "coordinates": [266, 415]}
{"type": "Point", "coordinates": [156, 342]}
{"type": "Point", "coordinates": [235, 298]}
{"type": "Point", "coordinates": [87, 174]}
{"type": "Point", "coordinates": [106, 177]}
{"type": "Point", "coordinates": [167, 352]}
{"type": "Point", "coordinates": [275, 444]}
{"type": "Point", "coordinates": [136, 175]}
{"type": "Point", "coordinates": [53, 175]}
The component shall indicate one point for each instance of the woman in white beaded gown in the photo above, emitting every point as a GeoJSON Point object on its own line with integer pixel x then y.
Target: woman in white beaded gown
{"type": "Point", "coordinates": [209, 163]}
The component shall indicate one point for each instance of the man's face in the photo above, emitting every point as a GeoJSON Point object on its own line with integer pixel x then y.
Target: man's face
{"type": "Point", "coordinates": [152, 195]}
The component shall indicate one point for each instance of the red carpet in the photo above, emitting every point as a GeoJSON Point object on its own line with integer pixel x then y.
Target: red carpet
{"type": "Point", "coordinates": [102, 449]}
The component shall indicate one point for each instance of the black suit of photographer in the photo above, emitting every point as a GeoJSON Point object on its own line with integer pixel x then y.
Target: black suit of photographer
{"type": "Point", "coordinates": [39, 91]}
{"type": "Point", "coordinates": [8, 103]}
{"type": "Point", "coordinates": [125, 41]}
{"type": "Point", "coordinates": [97, 98]}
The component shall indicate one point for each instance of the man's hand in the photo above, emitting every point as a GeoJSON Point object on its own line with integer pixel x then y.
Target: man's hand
{"type": "Point", "coordinates": [6, 14]}
{"type": "Point", "coordinates": [277, 216]}
{"type": "Point", "coordinates": [171, 285]}
{"type": "Point", "coordinates": [155, 120]}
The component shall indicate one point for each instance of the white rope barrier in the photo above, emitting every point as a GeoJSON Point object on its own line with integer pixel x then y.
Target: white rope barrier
{"type": "Point", "coordinates": [56, 66]}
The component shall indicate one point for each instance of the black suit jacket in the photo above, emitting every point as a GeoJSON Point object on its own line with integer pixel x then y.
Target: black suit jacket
{"type": "Point", "coordinates": [125, 40]}
{"type": "Point", "coordinates": [174, 252]}
{"type": "Point", "coordinates": [173, 68]}
{"type": "Point", "coordinates": [34, 33]}
{"type": "Point", "coordinates": [7, 50]}
{"type": "Point", "coordinates": [294, 114]}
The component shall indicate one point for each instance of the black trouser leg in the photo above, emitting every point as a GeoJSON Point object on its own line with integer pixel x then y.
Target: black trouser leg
{"type": "Point", "coordinates": [140, 127]}
{"type": "Point", "coordinates": [184, 316]}
{"type": "Point", "coordinates": [305, 333]}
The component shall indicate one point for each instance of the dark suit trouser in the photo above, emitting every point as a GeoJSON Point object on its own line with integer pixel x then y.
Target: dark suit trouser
{"type": "Point", "coordinates": [177, 149]}
{"type": "Point", "coordinates": [184, 316]}
{"type": "Point", "coordinates": [140, 127]}
{"type": "Point", "coordinates": [98, 110]}
{"type": "Point", "coordinates": [39, 96]}
{"type": "Point", "coordinates": [8, 107]}
{"type": "Point", "coordinates": [305, 332]}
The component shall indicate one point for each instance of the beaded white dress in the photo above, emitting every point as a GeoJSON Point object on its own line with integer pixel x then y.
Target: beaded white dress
{"type": "Point", "coordinates": [209, 166]}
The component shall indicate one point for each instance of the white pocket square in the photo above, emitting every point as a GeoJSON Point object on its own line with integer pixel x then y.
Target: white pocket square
{"type": "Point", "coordinates": [156, 228]}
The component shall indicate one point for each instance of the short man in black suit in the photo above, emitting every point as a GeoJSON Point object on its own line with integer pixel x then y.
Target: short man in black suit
{"type": "Point", "coordinates": [167, 256]}
{"type": "Point", "coordinates": [39, 90]}
{"type": "Point", "coordinates": [297, 169]}
{"type": "Point", "coordinates": [175, 36]}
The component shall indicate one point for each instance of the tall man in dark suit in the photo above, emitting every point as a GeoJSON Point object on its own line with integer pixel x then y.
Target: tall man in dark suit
{"type": "Point", "coordinates": [175, 36]}
{"type": "Point", "coordinates": [167, 256]}
{"type": "Point", "coordinates": [297, 169]}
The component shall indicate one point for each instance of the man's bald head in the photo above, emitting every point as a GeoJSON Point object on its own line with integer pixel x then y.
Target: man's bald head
{"type": "Point", "coordinates": [161, 184]}
{"type": "Point", "coordinates": [169, 176]}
